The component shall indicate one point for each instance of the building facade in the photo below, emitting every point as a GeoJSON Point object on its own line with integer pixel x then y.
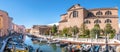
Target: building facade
{"type": "Point", "coordinates": [21, 29]}
{"type": "Point", "coordinates": [27, 31]}
{"type": "Point", "coordinates": [18, 28]}
{"type": "Point", "coordinates": [40, 29]}
{"type": "Point", "coordinates": [5, 23]}
{"type": "Point", "coordinates": [77, 15]}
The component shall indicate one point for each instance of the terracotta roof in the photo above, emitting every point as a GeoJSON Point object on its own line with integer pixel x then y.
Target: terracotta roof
{"type": "Point", "coordinates": [63, 21]}
{"type": "Point", "coordinates": [103, 9]}
{"type": "Point", "coordinates": [103, 17]}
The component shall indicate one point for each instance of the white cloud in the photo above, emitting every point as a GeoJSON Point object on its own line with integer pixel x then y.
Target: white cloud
{"type": "Point", "coordinates": [53, 24]}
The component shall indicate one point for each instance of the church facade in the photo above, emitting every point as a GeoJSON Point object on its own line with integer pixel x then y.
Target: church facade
{"type": "Point", "coordinates": [77, 15]}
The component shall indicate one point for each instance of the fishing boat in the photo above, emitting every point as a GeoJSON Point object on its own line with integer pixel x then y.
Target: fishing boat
{"type": "Point", "coordinates": [63, 44]}
{"type": "Point", "coordinates": [18, 47]}
{"type": "Point", "coordinates": [53, 42]}
{"type": "Point", "coordinates": [39, 40]}
{"type": "Point", "coordinates": [16, 44]}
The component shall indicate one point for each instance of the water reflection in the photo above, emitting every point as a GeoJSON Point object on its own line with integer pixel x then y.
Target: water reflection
{"type": "Point", "coordinates": [43, 46]}
{"type": "Point", "coordinates": [54, 47]}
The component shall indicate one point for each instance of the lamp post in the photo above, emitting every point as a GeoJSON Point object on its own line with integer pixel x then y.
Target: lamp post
{"type": "Point", "coordinates": [106, 42]}
{"type": "Point", "coordinates": [91, 44]}
{"type": "Point", "coordinates": [96, 36]}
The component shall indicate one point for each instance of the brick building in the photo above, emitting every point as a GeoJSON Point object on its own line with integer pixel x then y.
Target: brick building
{"type": "Point", "coordinates": [5, 23]}
{"type": "Point", "coordinates": [77, 15]}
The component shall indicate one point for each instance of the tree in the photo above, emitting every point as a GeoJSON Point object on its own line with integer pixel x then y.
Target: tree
{"type": "Point", "coordinates": [70, 32]}
{"type": "Point", "coordinates": [84, 31]}
{"type": "Point", "coordinates": [92, 33]}
{"type": "Point", "coordinates": [75, 30]}
{"type": "Point", "coordinates": [96, 31]}
{"type": "Point", "coordinates": [54, 29]}
{"type": "Point", "coordinates": [60, 33]}
{"type": "Point", "coordinates": [109, 30]}
{"type": "Point", "coordinates": [65, 31]}
{"type": "Point", "coordinates": [87, 33]}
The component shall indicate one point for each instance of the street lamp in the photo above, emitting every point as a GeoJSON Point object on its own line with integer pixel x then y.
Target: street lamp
{"type": "Point", "coordinates": [106, 42]}
{"type": "Point", "coordinates": [91, 45]}
{"type": "Point", "coordinates": [96, 36]}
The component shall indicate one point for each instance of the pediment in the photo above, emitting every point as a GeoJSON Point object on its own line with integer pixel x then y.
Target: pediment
{"type": "Point", "coordinates": [75, 7]}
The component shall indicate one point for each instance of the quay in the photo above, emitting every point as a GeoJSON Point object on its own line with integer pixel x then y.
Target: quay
{"type": "Point", "coordinates": [88, 41]}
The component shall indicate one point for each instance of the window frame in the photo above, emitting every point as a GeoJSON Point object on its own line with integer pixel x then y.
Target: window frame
{"type": "Point", "coordinates": [87, 22]}
{"type": "Point", "coordinates": [108, 13]}
{"type": "Point", "coordinates": [99, 13]}
{"type": "Point", "coordinates": [108, 21]}
{"type": "Point", "coordinates": [75, 14]}
{"type": "Point", "coordinates": [97, 21]}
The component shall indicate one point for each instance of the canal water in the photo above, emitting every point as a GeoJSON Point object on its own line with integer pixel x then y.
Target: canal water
{"type": "Point", "coordinates": [43, 46]}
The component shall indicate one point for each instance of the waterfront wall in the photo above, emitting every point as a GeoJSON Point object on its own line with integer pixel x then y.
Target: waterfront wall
{"type": "Point", "coordinates": [82, 40]}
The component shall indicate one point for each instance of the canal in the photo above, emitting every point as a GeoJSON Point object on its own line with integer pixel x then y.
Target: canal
{"type": "Point", "coordinates": [43, 46]}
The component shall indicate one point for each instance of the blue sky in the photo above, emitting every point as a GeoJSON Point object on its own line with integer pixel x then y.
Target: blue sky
{"type": "Point", "coordinates": [43, 12]}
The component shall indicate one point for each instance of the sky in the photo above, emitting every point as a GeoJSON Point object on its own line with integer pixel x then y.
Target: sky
{"type": "Point", "coordinates": [44, 12]}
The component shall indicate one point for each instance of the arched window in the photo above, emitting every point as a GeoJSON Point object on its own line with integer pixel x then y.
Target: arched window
{"type": "Point", "coordinates": [99, 13]}
{"type": "Point", "coordinates": [97, 21]}
{"type": "Point", "coordinates": [108, 13]}
{"type": "Point", "coordinates": [90, 14]}
{"type": "Point", "coordinates": [75, 13]}
{"type": "Point", "coordinates": [87, 22]}
{"type": "Point", "coordinates": [108, 21]}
